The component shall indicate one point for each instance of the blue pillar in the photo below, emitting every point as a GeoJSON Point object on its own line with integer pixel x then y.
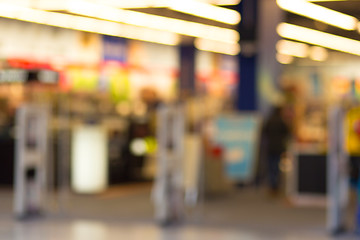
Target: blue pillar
{"type": "Point", "coordinates": [247, 87]}
{"type": "Point", "coordinates": [187, 70]}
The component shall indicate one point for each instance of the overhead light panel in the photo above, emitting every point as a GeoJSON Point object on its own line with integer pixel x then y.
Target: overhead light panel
{"type": "Point", "coordinates": [218, 47]}
{"type": "Point", "coordinates": [358, 27]}
{"type": "Point", "coordinates": [134, 3]}
{"type": "Point", "coordinates": [100, 11]}
{"type": "Point", "coordinates": [291, 48]}
{"type": "Point", "coordinates": [160, 3]}
{"type": "Point", "coordinates": [222, 2]}
{"type": "Point", "coordinates": [327, 0]}
{"type": "Point", "coordinates": [318, 53]}
{"type": "Point", "coordinates": [319, 13]}
{"type": "Point", "coordinates": [301, 50]}
{"type": "Point", "coordinates": [203, 9]}
{"type": "Point", "coordinates": [86, 24]}
{"type": "Point", "coordinates": [108, 28]}
{"type": "Point", "coordinates": [319, 38]}
{"type": "Point", "coordinates": [284, 59]}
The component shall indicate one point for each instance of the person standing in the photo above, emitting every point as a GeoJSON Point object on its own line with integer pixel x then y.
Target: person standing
{"type": "Point", "coordinates": [276, 133]}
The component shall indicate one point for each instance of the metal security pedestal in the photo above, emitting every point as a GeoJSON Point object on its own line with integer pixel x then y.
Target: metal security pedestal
{"type": "Point", "coordinates": [168, 192]}
{"type": "Point", "coordinates": [338, 179]}
{"type": "Point", "coordinates": [30, 160]}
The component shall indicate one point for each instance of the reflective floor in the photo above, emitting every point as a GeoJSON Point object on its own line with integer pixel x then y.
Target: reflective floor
{"type": "Point", "coordinates": [128, 214]}
{"type": "Point", "coordinates": [96, 230]}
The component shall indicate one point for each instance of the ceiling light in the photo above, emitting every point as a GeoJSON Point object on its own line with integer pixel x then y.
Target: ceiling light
{"type": "Point", "coordinates": [319, 13]}
{"type": "Point", "coordinates": [358, 27]}
{"type": "Point", "coordinates": [318, 53]}
{"type": "Point", "coordinates": [183, 27]}
{"type": "Point", "coordinates": [284, 59]}
{"type": "Point", "coordinates": [222, 2]}
{"type": "Point", "coordinates": [134, 3]}
{"type": "Point", "coordinates": [44, 4]}
{"type": "Point", "coordinates": [327, 0]}
{"type": "Point", "coordinates": [319, 38]}
{"type": "Point", "coordinates": [159, 3]}
{"type": "Point", "coordinates": [204, 9]}
{"type": "Point", "coordinates": [295, 49]}
{"type": "Point", "coordinates": [218, 47]}
{"type": "Point", "coordinates": [86, 24]}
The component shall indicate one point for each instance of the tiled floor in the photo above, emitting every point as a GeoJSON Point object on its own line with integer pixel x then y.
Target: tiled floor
{"type": "Point", "coordinates": [96, 230]}
{"type": "Point", "coordinates": [245, 214]}
{"type": "Point", "coordinates": [85, 229]}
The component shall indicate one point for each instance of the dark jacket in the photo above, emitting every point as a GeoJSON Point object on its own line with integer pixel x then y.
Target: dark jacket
{"type": "Point", "coordinates": [276, 133]}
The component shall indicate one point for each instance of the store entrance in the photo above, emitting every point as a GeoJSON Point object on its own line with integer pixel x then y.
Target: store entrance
{"type": "Point", "coordinates": [84, 127]}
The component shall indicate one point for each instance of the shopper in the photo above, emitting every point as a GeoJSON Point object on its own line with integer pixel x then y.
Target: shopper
{"type": "Point", "coordinates": [276, 133]}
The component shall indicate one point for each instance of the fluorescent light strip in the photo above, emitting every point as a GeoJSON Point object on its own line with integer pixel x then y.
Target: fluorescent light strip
{"type": "Point", "coordinates": [205, 10]}
{"type": "Point", "coordinates": [86, 24]}
{"type": "Point", "coordinates": [217, 47]}
{"type": "Point", "coordinates": [201, 9]}
{"type": "Point", "coordinates": [327, 0]}
{"type": "Point", "coordinates": [107, 28]}
{"type": "Point", "coordinates": [318, 53]}
{"type": "Point", "coordinates": [301, 50]}
{"type": "Point", "coordinates": [319, 13]}
{"type": "Point", "coordinates": [319, 38]}
{"type": "Point", "coordinates": [134, 3]}
{"type": "Point", "coordinates": [187, 28]}
{"type": "Point", "coordinates": [295, 49]}
{"type": "Point", "coordinates": [222, 2]}
{"type": "Point", "coordinates": [159, 3]}
{"type": "Point", "coordinates": [284, 59]}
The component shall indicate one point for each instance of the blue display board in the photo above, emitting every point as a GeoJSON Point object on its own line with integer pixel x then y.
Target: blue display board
{"type": "Point", "coordinates": [238, 134]}
{"type": "Point", "coordinates": [114, 49]}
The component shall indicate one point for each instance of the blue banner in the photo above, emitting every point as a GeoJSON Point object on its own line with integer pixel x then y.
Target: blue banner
{"type": "Point", "coordinates": [238, 135]}
{"type": "Point", "coordinates": [114, 49]}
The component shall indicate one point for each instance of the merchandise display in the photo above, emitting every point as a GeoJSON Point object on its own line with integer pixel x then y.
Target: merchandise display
{"type": "Point", "coordinates": [117, 83]}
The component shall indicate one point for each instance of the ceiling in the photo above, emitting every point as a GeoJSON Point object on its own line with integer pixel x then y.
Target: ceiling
{"type": "Point", "coordinates": [207, 24]}
{"type": "Point", "coordinates": [350, 7]}
{"type": "Point", "coordinates": [166, 12]}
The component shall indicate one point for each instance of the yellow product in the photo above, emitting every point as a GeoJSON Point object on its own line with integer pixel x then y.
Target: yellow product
{"type": "Point", "coordinates": [119, 85]}
{"type": "Point", "coordinates": [352, 133]}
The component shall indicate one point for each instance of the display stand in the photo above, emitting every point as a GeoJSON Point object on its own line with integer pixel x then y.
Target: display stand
{"type": "Point", "coordinates": [192, 165]}
{"type": "Point", "coordinates": [31, 160]}
{"type": "Point", "coordinates": [238, 134]}
{"type": "Point", "coordinates": [193, 155]}
{"type": "Point", "coordinates": [168, 192]}
{"type": "Point", "coordinates": [306, 183]}
{"type": "Point", "coordinates": [89, 159]}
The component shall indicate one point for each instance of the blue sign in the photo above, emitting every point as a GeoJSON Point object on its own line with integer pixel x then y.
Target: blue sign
{"type": "Point", "coordinates": [238, 135]}
{"type": "Point", "coordinates": [115, 49]}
